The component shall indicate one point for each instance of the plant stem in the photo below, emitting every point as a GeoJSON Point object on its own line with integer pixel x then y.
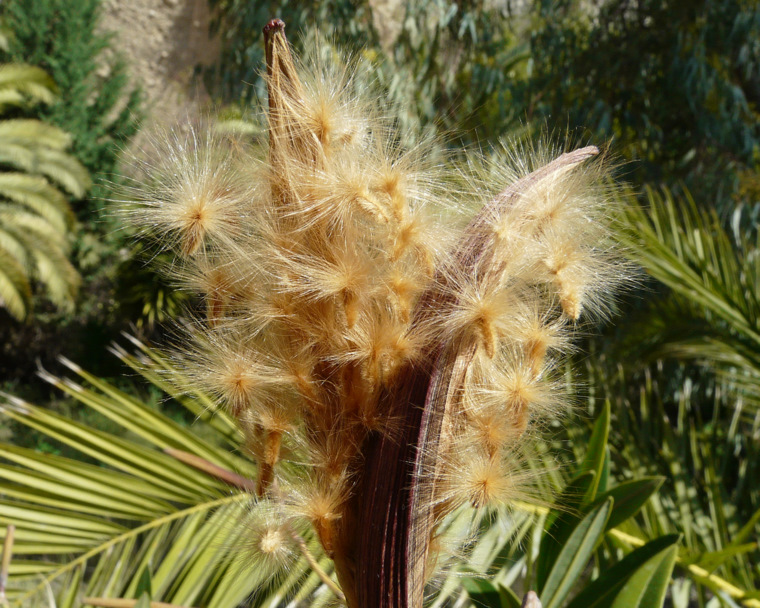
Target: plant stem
{"type": "Point", "coordinates": [315, 566]}
{"type": "Point", "coordinates": [108, 602]}
{"type": "Point", "coordinates": [10, 532]}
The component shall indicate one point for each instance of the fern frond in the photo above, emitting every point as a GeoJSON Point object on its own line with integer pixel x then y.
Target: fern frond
{"type": "Point", "coordinates": [15, 291]}
{"type": "Point", "coordinates": [21, 84]}
{"type": "Point", "coordinates": [35, 193]}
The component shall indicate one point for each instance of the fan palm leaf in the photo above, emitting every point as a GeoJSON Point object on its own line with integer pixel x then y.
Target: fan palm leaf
{"type": "Point", "coordinates": [30, 245]}
{"type": "Point", "coordinates": [35, 216]}
{"type": "Point", "coordinates": [124, 511]}
{"type": "Point", "coordinates": [15, 292]}
{"type": "Point", "coordinates": [38, 148]}
{"type": "Point", "coordinates": [21, 84]}
{"type": "Point", "coordinates": [712, 314]}
{"type": "Point", "coordinates": [137, 510]}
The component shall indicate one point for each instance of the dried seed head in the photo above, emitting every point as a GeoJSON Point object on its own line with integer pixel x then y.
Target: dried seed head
{"type": "Point", "coordinates": [268, 537]}
{"type": "Point", "coordinates": [371, 357]}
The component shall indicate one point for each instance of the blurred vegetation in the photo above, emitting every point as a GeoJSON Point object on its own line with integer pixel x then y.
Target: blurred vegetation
{"type": "Point", "coordinates": [445, 65]}
{"type": "Point", "coordinates": [97, 110]}
{"type": "Point", "coordinates": [35, 217]}
{"type": "Point", "coordinates": [97, 104]}
{"type": "Point", "coordinates": [673, 85]}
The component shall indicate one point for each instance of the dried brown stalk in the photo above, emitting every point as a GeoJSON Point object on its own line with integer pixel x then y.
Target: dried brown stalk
{"type": "Point", "coordinates": [392, 552]}
{"type": "Point", "coordinates": [108, 602]}
{"type": "Point", "coordinates": [10, 533]}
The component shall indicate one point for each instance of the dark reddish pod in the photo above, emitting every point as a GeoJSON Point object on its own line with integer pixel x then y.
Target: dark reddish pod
{"type": "Point", "coordinates": [385, 559]}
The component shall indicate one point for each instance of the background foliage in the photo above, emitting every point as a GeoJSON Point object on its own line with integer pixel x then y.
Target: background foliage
{"type": "Point", "coordinates": [35, 219]}
{"type": "Point", "coordinates": [97, 104]}
{"type": "Point", "coordinates": [99, 110]}
{"type": "Point", "coordinates": [676, 84]}
{"type": "Point", "coordinates": [673, 85]}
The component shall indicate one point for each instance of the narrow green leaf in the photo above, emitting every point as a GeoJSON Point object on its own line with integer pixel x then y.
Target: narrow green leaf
{"type": "Point", "coordinates": [144, 584]}
{"type": "Point", "coordinates": [55, 519]}
{"type": "Point", "coordinates": [629, 497]}
{"type": "Point", "coordinates": [574, 555]}
{"type": "Point", "coordinates": [508, 597]}
{"type": "Point", "coordinates": [601, 592]}
{"type": "Point", "coordinates": [113, 484]}
{"type": "Point", "coordinates": [482, 593]}
{"type": "Point", "coordinates": [560, 524]}
{"type": "Point", "coordinates": [604, 476]}
{"type": "Point", "coordinates": [69, 595]}
{"type": "Point", "coordinates": [175, 479]}
{"type": "Point", "coordinates": [647, 586]}
{"type": "Point", "coordinates": [43, 483]}
{"type": "Point", "coordinates": [143, 602]}
{"type": "Point", "coordinates": [714, 559]}
{"type": "Point", "coordinates": [597, 451]}
{"type": "Point", "coordinates": [747, 529]}
{"type": "Point", "coordinates": [152, 425]}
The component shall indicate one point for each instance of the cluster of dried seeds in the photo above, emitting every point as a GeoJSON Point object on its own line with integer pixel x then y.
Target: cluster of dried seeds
{"type": "Point", "coordinates": [395, 361]}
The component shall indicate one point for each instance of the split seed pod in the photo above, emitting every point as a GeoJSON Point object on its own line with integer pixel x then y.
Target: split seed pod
{"type": "Point", "coordinates": [395, 362]}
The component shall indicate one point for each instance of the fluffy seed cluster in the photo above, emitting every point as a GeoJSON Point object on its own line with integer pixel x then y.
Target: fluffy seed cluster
{"type": "Point", "coordinates": [326, 274]}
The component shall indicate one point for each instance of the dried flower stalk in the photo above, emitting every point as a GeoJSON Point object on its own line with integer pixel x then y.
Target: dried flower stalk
{"type": "Point", "coordinates": [383, 366]}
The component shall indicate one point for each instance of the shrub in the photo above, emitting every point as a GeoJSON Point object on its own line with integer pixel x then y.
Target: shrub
{"type": "Point", "coordinates": [96, 105]}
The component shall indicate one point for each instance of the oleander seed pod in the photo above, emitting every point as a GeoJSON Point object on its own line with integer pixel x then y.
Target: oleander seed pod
{"type": "Point", "coordinates": [384, 365]}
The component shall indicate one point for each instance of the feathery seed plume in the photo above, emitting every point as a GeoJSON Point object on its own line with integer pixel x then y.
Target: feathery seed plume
{"type": "Point", "coordinates": [383, 366]}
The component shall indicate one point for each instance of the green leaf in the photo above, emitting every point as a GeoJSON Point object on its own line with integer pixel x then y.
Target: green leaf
{"type": "Point", "coordinates": [714, 559]}
{"type": "Point", "coordinates": [143, 602]}
{"type": "Point", "coordinates": [647, 586]}
{"type": "Point", "coordinates": [629, 497]}
{"type": "Point", "coordinates": [70, 596]}
{"type": "Point", "coordinates": [487, 595]}
{"type": "Point", "coordinates": [560, 524]}
{"type": "Point", "coordinates": [597, 452]}
{"type": "Point", "coordinates": [508, 598]}
{"type": "Point", "coordinates": [144, 584]}
{"type": "Point", "coordinates": [747, 529]}
{"type": "Point", "coordinates": [604, 476]}
{"type": "Point", "coordinates": [574, 555]}
{"type": "Point", "coordinates": [602, 592]}
{"type": "Point", "coordinates": [482, 593]}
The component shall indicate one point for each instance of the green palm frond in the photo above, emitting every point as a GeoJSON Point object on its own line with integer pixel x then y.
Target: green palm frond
{"type": "Point", "coordinates": [713, 313]}
{"type": "Point", "coordinates": [34, 213]}
{"type": "Point", "coordinates": [22, 221]}
{"type": "Point", "coordinates": [36, 194]}
{"type": "Point", "coordinates": [29, 132]}
{"type": "Point", "coordinates": [22, 84]}
{"type": "Point", "coordinates": [4, 39]}
{"type": "Point", "coordinates": [53, 269]}
{"type": "Point", "coordinates": [38, 148]}
{"type": "Point", "coordinates": [137, 511]}
{"type": "Point", "coordinates": [15, 291]}
{"type": "Point", "coordinates": [33, 244]}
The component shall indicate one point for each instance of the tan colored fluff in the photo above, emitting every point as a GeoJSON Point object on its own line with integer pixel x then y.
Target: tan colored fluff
{"type": "Point", "coordinates": [311, 259]}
